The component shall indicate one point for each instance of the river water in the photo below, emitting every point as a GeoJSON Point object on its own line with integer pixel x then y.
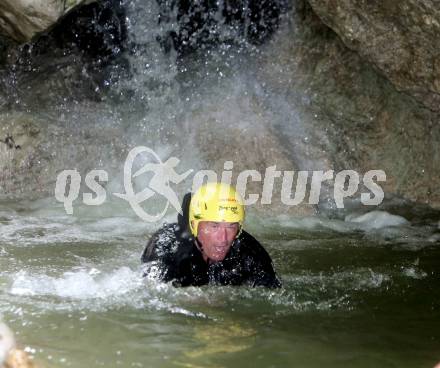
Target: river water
{"type": "Point", "coordinates": [361, 295]}
{"type": "Point", "coordinates": [355, 293]}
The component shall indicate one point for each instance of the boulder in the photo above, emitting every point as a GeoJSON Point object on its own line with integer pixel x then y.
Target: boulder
{"type": "Point", "coordinates": [352, 115]}
{"type": "Point", "coordinates": [399, 37]}
{"type": "Point", "coordinates": [21, 20]}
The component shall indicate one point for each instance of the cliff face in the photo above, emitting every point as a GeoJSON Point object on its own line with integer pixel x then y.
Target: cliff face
{"type": "Point", "coordinates": [306, 101]}
{"type": "Point", "coordinates": [358, 116]}
{"type": "Point", "coordinates": [399, 37]}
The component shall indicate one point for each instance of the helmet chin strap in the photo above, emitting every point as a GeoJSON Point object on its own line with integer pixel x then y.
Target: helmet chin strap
{"type": "Point", "coordinates": [199, 246]}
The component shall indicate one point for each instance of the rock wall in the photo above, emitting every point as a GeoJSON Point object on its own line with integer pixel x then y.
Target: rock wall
{"type": "Point", "coordinates": [399, 37]}
{"type": "Point", "coordinates": [21, 20]}
{"type": "Point", "coordinates": [341, 112]}
{"type": "Point", "coordinates": [357, 118]}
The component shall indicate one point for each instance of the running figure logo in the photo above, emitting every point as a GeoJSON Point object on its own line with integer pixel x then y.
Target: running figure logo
{"type": "Point", "coordinates": [163, 174]}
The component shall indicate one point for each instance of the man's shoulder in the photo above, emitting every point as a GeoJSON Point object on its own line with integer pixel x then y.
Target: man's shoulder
{"type": "Point", "coordinates": [252, 246]}
{"type": "Point", "coordinates": [258, 262]}
{"type": "Point", "coordinates": [163, 242]}
{"type": "Point", "coordinates": [166, 230]}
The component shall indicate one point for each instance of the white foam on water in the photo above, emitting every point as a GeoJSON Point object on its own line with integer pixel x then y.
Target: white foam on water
{"type": "Point", "coordinates": [414, 273]}
{"type": "Point", "coordinates": [85, 284]}
{"type": "Point", "coordinates": [27, 230]}
{"type": "Point", "coordinates": [435, 238]}
{"type": "Point", "coordinates": [285, 222]}
{"type": "Point", "coordinates": [373, 220]}
{"type": "Point", "coordinates": [376, 220]}
{"type": "Point", "coordinates": [95, 290]}
{"type": "Point", "coordinates": [378, 227]}
{"type": "Point", "coordinates": [45, 222]}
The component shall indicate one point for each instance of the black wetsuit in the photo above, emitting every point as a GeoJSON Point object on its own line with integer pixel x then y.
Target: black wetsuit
{"type": "Point", "coordinates": [172, 256]}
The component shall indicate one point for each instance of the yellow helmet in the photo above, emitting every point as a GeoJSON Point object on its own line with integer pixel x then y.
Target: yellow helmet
{"type": "Point", "coordinates": [217, 202]}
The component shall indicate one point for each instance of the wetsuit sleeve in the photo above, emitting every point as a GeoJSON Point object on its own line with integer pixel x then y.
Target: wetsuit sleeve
{"type": "Point", "coordinates": [158, 255]}
{"type": "Point", "coordinates": [259, 265]}
{"type": "Point", "coordinates": [264, 274]}
{"type": "Point", "coordinates": [149, 253]}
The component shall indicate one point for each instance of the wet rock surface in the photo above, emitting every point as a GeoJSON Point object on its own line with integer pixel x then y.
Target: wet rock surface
{"type": "Point", "coordinates": [355, 116]}
{"type": "Point", "coordinates": [22, 20]}
{"type": "Point", "coordinates": [43, 147]}
{"type": "Point", "coordinates": [313, 104]}
{"type": "Point", "coordinates": [400, 38]}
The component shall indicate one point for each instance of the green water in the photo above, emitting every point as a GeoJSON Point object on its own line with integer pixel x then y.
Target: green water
{"type": "Point", "coordinates": [72, 292]}
{"type": "Point", "coordinates": [70, 286]}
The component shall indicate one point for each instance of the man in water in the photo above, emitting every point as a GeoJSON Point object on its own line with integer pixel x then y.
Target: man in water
{"type": "Point", "coordinates": [216, 250]}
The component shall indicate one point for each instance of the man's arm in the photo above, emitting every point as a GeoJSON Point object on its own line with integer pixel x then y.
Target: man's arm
{"type": "Point", "coordinates": [264, 275]}
{"type": "Point", "coordinates": [158, 254]}
{"type": "Point", "coordinates": [259, 264]}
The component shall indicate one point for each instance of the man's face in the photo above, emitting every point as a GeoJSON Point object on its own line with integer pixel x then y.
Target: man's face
{"type": "Point", "coordinates": [216, 238]}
